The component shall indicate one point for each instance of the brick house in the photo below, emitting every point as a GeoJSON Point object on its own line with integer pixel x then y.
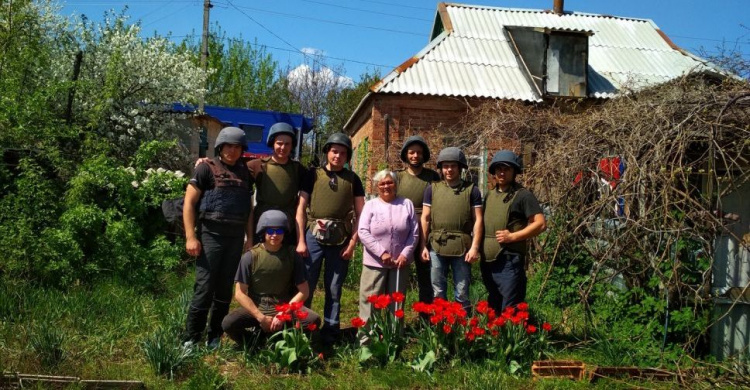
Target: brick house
{"type": "Point", "coordinates": [480, 54]}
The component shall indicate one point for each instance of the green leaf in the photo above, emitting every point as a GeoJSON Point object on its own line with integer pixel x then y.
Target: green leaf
{"type": "Point", "coordinates": [364, 354]}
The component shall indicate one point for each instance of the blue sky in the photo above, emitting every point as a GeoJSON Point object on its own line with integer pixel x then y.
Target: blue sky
{"type": "Point", "coordinates": [363, 35]}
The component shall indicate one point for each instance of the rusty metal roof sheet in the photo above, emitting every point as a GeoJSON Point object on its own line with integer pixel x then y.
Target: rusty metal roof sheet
{"type": "Point", "coordinates": [472, 57]}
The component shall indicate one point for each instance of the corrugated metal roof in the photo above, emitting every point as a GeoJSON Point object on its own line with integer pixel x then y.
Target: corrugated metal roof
{"type": "Point", "coordinates": [475, 59]}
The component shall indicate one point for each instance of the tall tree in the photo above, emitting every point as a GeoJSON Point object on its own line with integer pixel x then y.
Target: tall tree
{"type": "Point", "coordinates": [243, 74]}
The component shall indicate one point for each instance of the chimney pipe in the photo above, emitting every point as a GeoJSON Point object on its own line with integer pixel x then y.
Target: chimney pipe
{"type": "Point", "coordinates": [558, 6]}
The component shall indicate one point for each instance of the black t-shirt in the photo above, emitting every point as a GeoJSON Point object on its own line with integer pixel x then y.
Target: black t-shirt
{"type": "Point", "coordinates": [524, 206]}
{"type": "Point", "coordinates": [307, 186]}
{"type": "Point", "coordinates": [203, 179]}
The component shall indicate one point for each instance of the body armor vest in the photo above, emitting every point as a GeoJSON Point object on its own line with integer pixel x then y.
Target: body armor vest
{"type": "Point", "coordinates": [230, 200]}
{"type": "Point", "coordinates": [277, 187]}
{"type": "Point", "coordinates": [330, 203]}
{"type": "Point", "coordinates": [412, 187]}
{"type": "Point", "coordinates": [272, 275]}
{"type": "Point", "coordinates": [451, 219]}
{"type": "Point", "coordinates": [497, 217]}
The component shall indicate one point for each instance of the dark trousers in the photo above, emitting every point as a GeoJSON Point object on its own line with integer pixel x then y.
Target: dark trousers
{"type": "Point", "coordinates": [214, 277]}
{"type": "Point", "coordinates": [334, 275]}
{"type": "Point", "coordinates": [243, 328]}
{"type": "Point", "coordinates": [505, 279]}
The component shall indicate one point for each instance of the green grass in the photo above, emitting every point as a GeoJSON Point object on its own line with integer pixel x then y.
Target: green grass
{"type": "Point", "coordinates": [114, 331]}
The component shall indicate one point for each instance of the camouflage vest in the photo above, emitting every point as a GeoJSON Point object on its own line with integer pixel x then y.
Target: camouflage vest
{"type": "Point", "coordinates": [451, 219]}
{"type": "Point", "coordinates": [496, 217]}
{"type": "Point", "coordinates": [277, 186]}
{"type": "Point", "coordinates": [272, 277]}
{"type": "Point", "coordinates": [412, 187]}
{"type": "Point", "coordinates": [230, 199]}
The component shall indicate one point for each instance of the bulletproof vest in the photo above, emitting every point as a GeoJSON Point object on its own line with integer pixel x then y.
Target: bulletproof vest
{"type": "Point", "coordinates": [277, 186]}
{"type": "Point", "coordinates": [412, 187]}
{"type": "Point", "coordinates": [497, 217]}
{"type": "Point", "coordinates": [451, 219]}
{"type": "Point", "coordinates": [331, 203]}
{"type": "Point", "coordinates": [272, 276]}
{"type": "Point", "coordinates": [230, 199]}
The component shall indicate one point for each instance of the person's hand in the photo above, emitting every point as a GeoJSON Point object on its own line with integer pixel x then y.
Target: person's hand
{"type": "Point", "coordinates": [425, 255]}
{"type": "Point", "coordinates": [348, 252]}
{"type": "Point", "coordinates": [248, 245]}
{"type": "Point", "coordinates": [472, 255]}
{"type": "Point", "coordinates": [302, 249]}
{"type": "Point", "coordinates": [386, 258]}
{"type": "Point", "coordinates": [504, 236]}
{"type": "Point", "coordinates": [276, 324]}
{"type": "Point", "coordinates": [400, 262]}
{"type": "Point", "coordinates": [193, 246]}
{"type": "Point", "coordinates": [201, 161]}
{"type": "Point", "coordinates": [266, 323]}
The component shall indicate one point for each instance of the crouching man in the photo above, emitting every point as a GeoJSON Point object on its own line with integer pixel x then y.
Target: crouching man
{"type": "Point", "coordinates": [269, 274]}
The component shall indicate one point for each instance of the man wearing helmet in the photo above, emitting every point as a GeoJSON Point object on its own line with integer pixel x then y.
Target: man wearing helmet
{"type": "Point", "coordinates": [220, 195]}
{"type": "Point", "coordinates": [331, 195]}
{"type": "Point", "coordinates": [512, 216]}
{"type": "Point", "coordinates": [278, 179]}
{"type": "Point", "coordinates": [412, 182]}
{"type": "Point", "coordinates": [452, 225]}
{"type": "Point", "coordinates": [270, 274]}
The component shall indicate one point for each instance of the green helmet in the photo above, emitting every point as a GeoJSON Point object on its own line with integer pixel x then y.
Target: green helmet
{"type": "Point", "coordinates": [231, 135]}
{"type": "Point", "coordinates": [339, 139]}
{"type": "Point", "coordinates": [415, 139]}
{"type": "Point", "coordinates": [281, 128]}
{"type": "Point", "coordinates": [452, 153]}
{"type": "Point", "coordinates": [272, 218]}
{"type": "Point", "coordinates": [506, 157]}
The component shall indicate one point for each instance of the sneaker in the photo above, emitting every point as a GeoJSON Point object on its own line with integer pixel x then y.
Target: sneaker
{"type": "Point", "coordinates": [188, 345]}
{"type": "Point", "coordinates": [213, 344]}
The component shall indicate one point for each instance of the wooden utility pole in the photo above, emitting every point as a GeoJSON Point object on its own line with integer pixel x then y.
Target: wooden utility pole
{"type": "Point", "coordinates": [204, 49]}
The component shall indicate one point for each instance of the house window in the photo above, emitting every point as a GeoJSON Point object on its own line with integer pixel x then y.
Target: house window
{"type": "Point", "coordinates": [555, 62]}
{"type": "Point", "coordinates": [253, 133]}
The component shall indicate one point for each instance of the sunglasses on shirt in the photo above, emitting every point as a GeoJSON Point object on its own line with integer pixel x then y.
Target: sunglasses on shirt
{"type": "Point", "coordinates": [276, 231]}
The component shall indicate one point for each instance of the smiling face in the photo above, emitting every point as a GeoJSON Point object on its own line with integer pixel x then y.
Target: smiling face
{"type": "Point", "coordinates": [451, 171]}
{"type": "Point", "coordinates": [274, 236]}
{"type": "Point", "coordinates": [337, 156]}
{"type": "Point", "coordinates": [415, 155]}
{"type": "Point", "coordinates": [282, 147]}
{"type": "Point", "coordinates": [230, 153]}
{"type": "Point", "coordinates": [387, 188]}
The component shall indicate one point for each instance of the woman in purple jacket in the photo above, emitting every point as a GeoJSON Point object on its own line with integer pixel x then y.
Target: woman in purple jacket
{"type": "Point", "coordinates": [388, 230]}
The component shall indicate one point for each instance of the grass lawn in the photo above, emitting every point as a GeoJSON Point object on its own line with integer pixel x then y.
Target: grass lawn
{"type": "Point", "coordinates": [98, 332]}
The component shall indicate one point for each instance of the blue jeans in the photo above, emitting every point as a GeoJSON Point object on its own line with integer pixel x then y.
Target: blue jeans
{"type": "Point", "coordinates": [461, 278]}
{"type": "Point", "coordinates": [505, 279]}
{"type": "Point", "coordinates": [336, 269]}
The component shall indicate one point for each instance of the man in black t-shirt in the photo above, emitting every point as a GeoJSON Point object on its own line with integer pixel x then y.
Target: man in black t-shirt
{"type": "Point", "coordinates": [333, 197]}
{"type": "Point", "coordinates": [220, 196]}
{"type": "Point", "coordinates": [512, 216]}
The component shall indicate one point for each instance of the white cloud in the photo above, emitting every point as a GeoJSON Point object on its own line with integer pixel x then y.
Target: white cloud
{"type": "Point", "coordinates": [304, 75]}
{"type": "Point", "coordinates": [311, 51]}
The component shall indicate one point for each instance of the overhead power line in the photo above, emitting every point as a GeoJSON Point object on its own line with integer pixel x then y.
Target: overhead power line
{"type": "Point", "coordinates": [365, 10]}
{"type": "Point", "coordinates": [323, 20]}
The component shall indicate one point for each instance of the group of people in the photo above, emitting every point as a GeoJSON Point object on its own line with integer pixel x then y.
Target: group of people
{"type": "Point", "coordinates": [305, 222]}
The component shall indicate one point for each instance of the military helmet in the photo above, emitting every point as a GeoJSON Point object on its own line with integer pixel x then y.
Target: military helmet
{"type": "Point", "coordinates": [506, 157]}
{"type": "Point", "coordinates": [452, 153]}
{"type": "Point", "coordinates": [272, 218]}
{"type": "Point", "coordinates": [231, 135]}
{"type": "Point", "coordinates": [415, 139]}
{"type": "Point", "coordinates": [339, 139]}
{"type": "Point", "coordinates": [281, 128]}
